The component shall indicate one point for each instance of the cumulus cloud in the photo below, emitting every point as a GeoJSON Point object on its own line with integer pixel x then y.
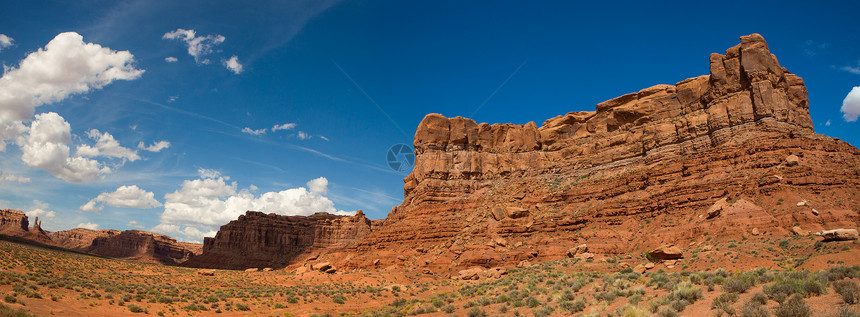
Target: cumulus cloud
{"type": "Point", "coordinates": [6, 177]}
{"type": "Point", "coordinates": [198, 46]}
{"type": "Point", "coordinates": [284, 126]}
{"type": "Point", "coordinates": [212, 201]}
{"type": "Point", "coordinates": [66, 66]}
{"type": "Point", "coordinates": [208, 173]}
{"type": "Point", "coordinates": [233, 64]}
{"type": "Point", "coordinates": [46, 147]}
{"type": "Point", "coordinates": [124, 196]}
{"type": "Point", "coordinates": [106, 146]}
{"type": "Point", "coordinates": [5, 41]}
{"type": "Point", "coordinates": [88, 225]}
{"type": "Point", "coordinates": [155, 147]}
{"type": "Point", "coordinates": [851, 105]}
{"type": "Point", "coordinates": [248, 130]}
{"type": "Point", "coordinates": [41, 213]}
{"type": "Point", "coordinates": [171, 59]}
{"type": "Point", "coordinates": [134, 224]}
{"type": "Point", "coordinates": [303, 136]}
{"type": "Point", "coordinates": [190, 234]}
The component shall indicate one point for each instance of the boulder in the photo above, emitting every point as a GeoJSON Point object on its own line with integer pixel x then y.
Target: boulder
{"type": "Point", "coordinates": [524, 263]}
{"type": "Point", "coordinates": [639, 269]}
{"type": "Point", "coordinates": [473, 273]}
{"type": "Point", "coordinates": [206, 272]}
{"type": "Point", "coordinates": [717, 208]}
{"type": "Point", "coordinates": [792, 160]}
{"type": "Point", "coordinates": [496, 272]}
{"type": "Point", "coordinates": [584, 256]}
{"type": "Point", "coordinates": [649, 266]}
{"type": "Point", "coordinates": [267, 269]}
{"type": "Point", "coordinates": [516, 212]}
{"type": "Point", "coordinates": [666, 253]}
{"type": "Point", "coordinates": [838, 234]}
{"type": "Point", "coordinates": [755, 232]}
{"type": "Point", "coordinates": [497, 213]}
{"type": "Point", "coordinates": [322, 266]}
{"type": "Point", "coordinates": [802, 203]}
{"type": "Point", "coordinates": [572, 252]}
{"type": "Point", "coordinates": [330, 270]}
{"type": "Point", "coordinates": [798, 231]}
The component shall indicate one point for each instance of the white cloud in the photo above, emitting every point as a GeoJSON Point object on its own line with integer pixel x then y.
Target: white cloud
{"type": "Point", "coordinates": [172, 98]}
{"type": "Point", "coordinates": [106, 146]}
{"type": "Point", "coordinates": [303, 136]}
{"type": "Point", "coordinates": [5, 177]}
{"type": "Point", "coordinates": [248, 130]}
{"type": "Point", "coordinates": [41, 213]}
{"type": "Point", "coordinates": [66, 66]}
{"type": "Point", "coordinates": [124, 196]}
{"type": "Point", "coordinates": [88, 225]}
{"type": "Point", "coordinates": [171, 59]}
{"type": "Point", "coordinates": [190, 234]}
{"type": "Point", "coordinates": [46, 147]}
{"type": "Point", "coordinates": [155, 147]}
{"type": "Point", "coordinates": [207, 173]}
{"type": "Point", "coordinates": [827, 124]}
{"type": "Point", "coordinates": [233, 64]}
{"type": "Point", "coordinates": [134, 224]}
{"type": "Point", "coordinates": [211, 202]}
{"type": "Point", "coordinates": [851, 105]}
{"type": "Point", "coordinates": [5, 41]}
{"type": "Point", "coordinates": [324, 138]}
{"type": "Point", "coordinates": [853, 70]}
{"type": "Point", "coordinates": [285, 126]}
{"type": "Point", "coordinates": [198, 46]}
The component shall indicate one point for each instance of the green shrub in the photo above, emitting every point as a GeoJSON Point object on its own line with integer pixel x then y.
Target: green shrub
{"type": "Point", "coordinates": [668, 312]}
{"type": "Point", "coordinates": [845, 311]}
{"type": "Point", "coordinates": [242, 307]}
{"type": "Point", "coordinates": [448, 308]}
{"type": "Point", "coordinates": [476, 312]}
{"type": "Point", "coordinates": [754, 309]}
{"type": "Point", "coordinates": [631, 311]}
{"type": "Point", "coordinates": [724, 302]}
{"type": "Point", "coordinates": [738, 284]}
{"type": "Point", "coordinates": [134, 308]}
{"type": "Point", "coordinates": [793, 307]}
{"type": "Point", "coordinates": [10, 298]}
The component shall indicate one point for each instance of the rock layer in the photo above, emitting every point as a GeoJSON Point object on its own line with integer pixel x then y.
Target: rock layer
{"type": "Point", "coordinates": [640, 171]}
{"type": "Point", "coordinates": [269, 240]}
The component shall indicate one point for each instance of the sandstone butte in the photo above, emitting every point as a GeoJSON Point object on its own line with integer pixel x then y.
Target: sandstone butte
{"type": "Point", "coordinates": [711, 157]}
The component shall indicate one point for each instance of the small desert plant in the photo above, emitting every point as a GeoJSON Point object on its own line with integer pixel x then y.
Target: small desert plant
{"type": "Point", "coordinates": [476, 312]}
{"type": "Point", "coordinates": [134, 308]}
{"type": "Point", "coordinates": [848, 290]}
{"type": "Point", "coordinates": [631, 311]}
{"type": "Point", "coordinates": [793, 307]}
{"type": "Point", "coordinates": [845, 311]}
{"type": "Point", "coordinates": [754, 309]}
{"type": "Point", "coordinates": [724, 302]}
{"type": "Point", "coordinates": [668, 312]}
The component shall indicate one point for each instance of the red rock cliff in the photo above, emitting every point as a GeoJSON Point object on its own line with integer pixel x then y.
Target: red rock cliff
{"type": "Point", "coordinates": [269, 240]}
{"type": "Point", "coordinates": [665, 153]}
{"type": "Point", "coordinates": [130, 244]}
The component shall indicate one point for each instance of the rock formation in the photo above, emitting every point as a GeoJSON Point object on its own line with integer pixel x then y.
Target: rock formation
{"type": "Point", "coordinates": [640, 171]}
{"type": "Point", "coordinates": [269, 240]}
{"type": "Point", "coordinates": [130, 244]}
{"type": "Point", "coordinates": [15, 223]}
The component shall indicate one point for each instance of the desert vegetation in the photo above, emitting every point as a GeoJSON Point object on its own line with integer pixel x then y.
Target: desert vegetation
{"type": "Point", "coordinates": [45, 282]}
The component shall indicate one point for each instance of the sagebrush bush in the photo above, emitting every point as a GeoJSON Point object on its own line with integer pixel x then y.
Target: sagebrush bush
{"type": "Point", "coordinates": [793, 307]}
{"type": "Point", "coordinates": [754, 309]}
{"type": "Point", "coordinates": [724, 302]}
{"type": "Point", "coordinates": [848, 290]}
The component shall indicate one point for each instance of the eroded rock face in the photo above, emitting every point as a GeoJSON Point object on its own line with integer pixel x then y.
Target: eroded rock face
{"type": "Point", "coordinates": [16, 224]}
{"type": "Point", "coordinates": [130, 244]}
{"type": "Point", "coordinates": [640, 171]}
{"type": "Point", "coordinates": [269, 240]}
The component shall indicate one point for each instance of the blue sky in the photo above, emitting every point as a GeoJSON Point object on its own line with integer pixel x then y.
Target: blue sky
{"type": "Point", "coordinates": [202, 84]}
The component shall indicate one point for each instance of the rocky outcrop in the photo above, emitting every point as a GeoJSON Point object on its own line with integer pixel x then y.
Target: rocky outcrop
{"type": "Point", "coordinates": [269, 240]}
{"type": "Point", "coordinates": [134, 245]}
{"type": "Point", "coordinates": [640, 171]}
{"type": "Point", "coordinates": [838, 234]}
{"type": "Point", "coordinates": [16, 224]}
